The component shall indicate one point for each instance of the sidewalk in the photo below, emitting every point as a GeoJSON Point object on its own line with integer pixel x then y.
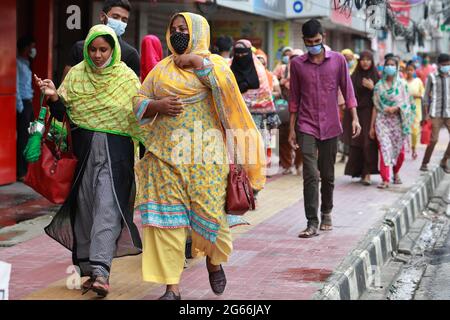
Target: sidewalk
{"type": "Point", "coordinates": [269, 260]}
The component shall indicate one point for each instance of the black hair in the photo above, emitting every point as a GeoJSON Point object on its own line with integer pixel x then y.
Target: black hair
{"type": "Point", "coordinates": [392, 58]}
{"type": "Point", "coordinates": [311, 28]}
{"type": "Point", "coordinates": [108, 39]}
{"type": "Point", "coordinates": [389, 56]}
{"type": "Point", "coordinates": [24, 42]}
{"type": "Point", "coordinates": [411, 63]}
{"type": "Point", "coordinates": [109, 4]}
{"type": "Point", "coordinates": [443, 57]}
{"type": "Point", "coordinates": [224, 43]}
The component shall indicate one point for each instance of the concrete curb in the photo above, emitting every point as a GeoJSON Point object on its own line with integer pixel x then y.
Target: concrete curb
{"type": "Point", "coordinates": [361, 268]}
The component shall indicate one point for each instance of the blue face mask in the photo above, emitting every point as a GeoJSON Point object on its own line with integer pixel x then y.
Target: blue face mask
{"type": "Point", "coordinates": [444, 69]}
{"type": "Point", "coordinates": [380, 68]}
{"type": "Point", "coordinates": [314, 50]}
{"type": "Point", "coordinates": [117, 25]}
{"type": "Point", "coordinates": [285, 60]}
{"type": "Point", "coordinates": [351, 64]}
{"type": "Point", "coordinates": [390, 70]}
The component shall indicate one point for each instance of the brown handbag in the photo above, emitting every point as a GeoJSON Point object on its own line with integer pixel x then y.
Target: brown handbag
{"type": "Point", "coordinates": [240, 196]}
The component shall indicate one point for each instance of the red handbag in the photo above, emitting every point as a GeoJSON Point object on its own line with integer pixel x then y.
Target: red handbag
{"type": "Point", "coordinates": [52, 175]}
{"type": "Point", "coordinates": [240, 196]}
{"type": "Point", "coordinates": [425, 135]}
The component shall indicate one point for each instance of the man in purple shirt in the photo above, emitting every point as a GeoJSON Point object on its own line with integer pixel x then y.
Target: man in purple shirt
{"type": "Point", "coordinates": [315, 79]}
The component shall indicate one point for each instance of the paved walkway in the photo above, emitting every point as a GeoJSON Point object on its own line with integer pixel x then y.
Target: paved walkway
{"type": "Point", "coordinates": [269, 261]}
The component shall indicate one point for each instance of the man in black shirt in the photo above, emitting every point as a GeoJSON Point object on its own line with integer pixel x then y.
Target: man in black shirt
{"type": "Point", "coordinates": [115, 14]}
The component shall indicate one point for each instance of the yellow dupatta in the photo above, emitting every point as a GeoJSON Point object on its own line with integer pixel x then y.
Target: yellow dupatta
{"type": "Point", "coordinates": [228, 102]}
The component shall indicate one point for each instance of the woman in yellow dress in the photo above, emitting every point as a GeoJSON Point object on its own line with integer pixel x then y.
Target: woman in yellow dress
{"type": "Point", "coordinates": [183, 105]}
{"type": "Point", "coordinates": [416, 90]}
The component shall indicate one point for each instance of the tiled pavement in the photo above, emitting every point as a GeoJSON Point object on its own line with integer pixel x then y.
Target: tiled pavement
{"type": "Point", "coordinates": [269, 261]}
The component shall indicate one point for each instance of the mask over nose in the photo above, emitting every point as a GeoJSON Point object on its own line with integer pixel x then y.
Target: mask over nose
{"type": "Point", "coordinates": [179, 42]}
{"type": "Point", "coordinates": [285, 60]}
{"type": "Point", "coordinates": [444, 69]}
{"type": "Point", "coordinates": [117, 25]}
{"type": "Point", "coordinates": [33, 53]}
{"type": "Point", "coordinates": [314, 50]}
{"type": "Point", "coordinates": [390, 70]}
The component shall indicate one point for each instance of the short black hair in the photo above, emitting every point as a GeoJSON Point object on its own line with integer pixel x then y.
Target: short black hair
{"type": "Point", "coordinates": [224, 43]}
{"type": "Point", "coordinates": [24, 42]}
{"type": "Point", "coordinates": [443, 57]}
{"type": "Point", "coordinates": [311, 28]}
{"type": "Point", "coordinates": [108, 4]}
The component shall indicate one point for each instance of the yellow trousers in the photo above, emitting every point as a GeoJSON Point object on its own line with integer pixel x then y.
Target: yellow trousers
{"type": "Point", "coordinates": [163, 254]}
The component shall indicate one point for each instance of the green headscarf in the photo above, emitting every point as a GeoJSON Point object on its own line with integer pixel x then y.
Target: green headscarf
{"type": "Point", "coordinates": [101, 99]}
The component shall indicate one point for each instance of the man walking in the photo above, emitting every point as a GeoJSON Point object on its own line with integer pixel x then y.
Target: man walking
{"type": "Point", "coordinates": [436, 105]}
{"type": "Point", "coordinates": [315, 79]}
{"type": "Point", "coordinates": [115, 14]}
{"type": "Point", "coordinates": [26, 49]}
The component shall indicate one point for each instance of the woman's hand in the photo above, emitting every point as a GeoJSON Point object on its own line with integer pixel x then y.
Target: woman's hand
{"type": "Point", "coordinates": [372, 133]}
{"type": "Point", "coordinates": [47, 88]}
{"type": "Point", "coordinates": [170, 106]}
{"type": "Point", "coordinates": [368, 83]}
{"type": "Point", "coordinates": [189, 60]}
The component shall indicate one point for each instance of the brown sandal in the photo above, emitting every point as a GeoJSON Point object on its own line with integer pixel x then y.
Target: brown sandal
{"type": "Point", "coordinates": [87, 285]}
{"type": "Point", "coordinates": [99, 285]}
{"type": "Point", "coordinates": [326, 223]}
{"type": "Point", "coordinates": [309, 232]}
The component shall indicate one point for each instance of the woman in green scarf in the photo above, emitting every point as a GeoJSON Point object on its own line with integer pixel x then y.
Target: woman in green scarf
{"type": "Point", "coordinates": [96, 221]}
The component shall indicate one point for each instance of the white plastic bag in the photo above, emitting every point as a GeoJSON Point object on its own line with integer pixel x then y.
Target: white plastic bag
{"type": "Point", "coordinates": [5, 272]}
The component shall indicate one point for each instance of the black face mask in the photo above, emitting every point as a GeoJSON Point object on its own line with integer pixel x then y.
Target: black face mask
{"type": "Point", "coordinates": [179, 42]}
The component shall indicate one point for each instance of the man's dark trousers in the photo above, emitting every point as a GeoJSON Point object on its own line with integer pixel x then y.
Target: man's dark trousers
{"type": "Point", "coordinates": [319, 158]}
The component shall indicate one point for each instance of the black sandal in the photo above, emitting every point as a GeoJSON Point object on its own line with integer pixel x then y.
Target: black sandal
{"type": "Point", "coordinates": [217, 280]}
{"type": "Point", "coordinates": [170, 295]}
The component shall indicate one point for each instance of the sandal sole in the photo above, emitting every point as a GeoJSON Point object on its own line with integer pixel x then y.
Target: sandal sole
{"type": "Point", "coordinates": [308, 236]}
{"type": "Point", "coordinates": [101, 292]}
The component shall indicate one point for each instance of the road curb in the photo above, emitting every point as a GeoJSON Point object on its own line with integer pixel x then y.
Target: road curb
{"type": "Point", "coordinates": [361, 268]}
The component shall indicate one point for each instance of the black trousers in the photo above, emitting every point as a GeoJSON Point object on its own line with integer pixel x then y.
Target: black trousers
{"type": "Point", "coordinates": [23, 122]}
{"type": "Point", "coordinates": [319, 158]}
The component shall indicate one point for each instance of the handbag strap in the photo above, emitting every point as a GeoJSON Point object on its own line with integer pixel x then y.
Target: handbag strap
{"type": "Point", "coordinates": [65, 123]}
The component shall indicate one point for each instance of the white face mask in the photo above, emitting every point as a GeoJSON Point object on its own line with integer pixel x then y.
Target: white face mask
{"type": "Point", "coordinates": [117, 25]}
{"type": "Point", "coordinates": [106, 63]}
{"type": "Point", "coordinates": [33, 53]}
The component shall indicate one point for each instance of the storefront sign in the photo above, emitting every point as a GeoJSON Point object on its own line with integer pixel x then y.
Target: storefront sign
{"type": "Point", "coordinates": [280, 36]}
{"type": "Point", "coordinates": [307, 8]}
{"type": "Point", "coordinates": [270, 8]}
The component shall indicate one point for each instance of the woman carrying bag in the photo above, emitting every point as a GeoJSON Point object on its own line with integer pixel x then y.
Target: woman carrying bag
{"type": "Point", "coordinates": [96, 221]}
{"type": "Point", "coordinates": [177, 192]}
